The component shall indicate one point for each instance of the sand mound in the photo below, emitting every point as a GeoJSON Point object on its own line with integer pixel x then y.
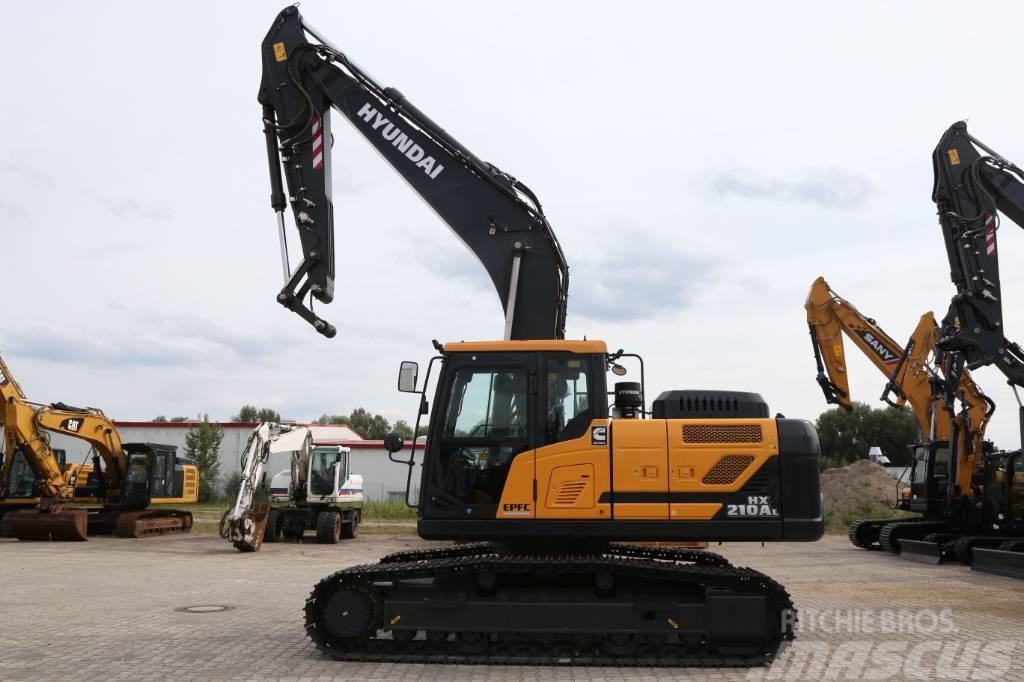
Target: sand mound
{"type": "Point", "coordinates": [857, 486]}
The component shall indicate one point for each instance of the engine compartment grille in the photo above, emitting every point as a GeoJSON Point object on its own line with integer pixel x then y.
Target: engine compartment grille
{"type": "Point", "coordinates": [727, 469]}
{"type": "Point", "coordinates": [722, 433]}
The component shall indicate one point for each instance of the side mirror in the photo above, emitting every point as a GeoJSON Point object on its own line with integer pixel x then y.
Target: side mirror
{"type": "Point", "coordinates": [408, 374]}
{"type": "Point", "coordinates": [393, 443]}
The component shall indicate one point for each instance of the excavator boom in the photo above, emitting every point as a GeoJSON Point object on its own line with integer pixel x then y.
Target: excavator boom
{"type": "Point", "coordinates": [497, 217]}
{"type": "Point", "coordinates": [246, 520]}
{"type": "Point", "coordinates": [909, 371]}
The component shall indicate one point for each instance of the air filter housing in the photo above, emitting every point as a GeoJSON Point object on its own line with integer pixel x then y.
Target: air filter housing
{"type": "Point", "coordinates": [629, 398]}
{"type": "Point", "coordinates": [710, 405]}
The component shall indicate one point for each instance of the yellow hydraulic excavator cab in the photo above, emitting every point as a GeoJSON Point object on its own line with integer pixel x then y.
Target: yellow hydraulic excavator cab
{"type": "Point", "coordinates": [21, 486]}
{"type": "Point", "coordinates": [523, 443]}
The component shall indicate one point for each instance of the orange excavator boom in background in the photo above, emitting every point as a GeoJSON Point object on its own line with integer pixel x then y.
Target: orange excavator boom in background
{"type": "Point", "coordinates": [912, 377]}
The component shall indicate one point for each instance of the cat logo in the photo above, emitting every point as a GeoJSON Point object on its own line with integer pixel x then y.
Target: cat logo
{"type": "Point", "coordinates": [599, 435]}
{"type": "Point", "coordinates": [71, 424]}
{"type": "Point", "coordinates": [3, 378]}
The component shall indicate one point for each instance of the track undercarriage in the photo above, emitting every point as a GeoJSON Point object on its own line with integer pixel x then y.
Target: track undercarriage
{"type": "Point", "coordinates": [886, 534]}
{"type": "Point", "coordinates": [618, 605]}
{"type": "Point", "coordinates": [934, 542]}
{"type": "Point", "coordinates": [76, 524]}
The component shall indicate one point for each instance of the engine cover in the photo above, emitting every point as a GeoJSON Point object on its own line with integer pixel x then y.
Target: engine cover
{"type": "Point", "coordinates": [695, 404]}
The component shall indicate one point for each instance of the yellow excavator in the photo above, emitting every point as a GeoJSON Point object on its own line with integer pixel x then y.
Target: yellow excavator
{"type": "Point", "coordinates": [912, 377]}
{"type": "Point", "coordinates": [125, 478]}
{"type": "Point", "coordinates": [527, 453]}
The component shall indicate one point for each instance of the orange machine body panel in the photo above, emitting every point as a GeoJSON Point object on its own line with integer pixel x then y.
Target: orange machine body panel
{"type": "Point", "coordinates": [653, 469]}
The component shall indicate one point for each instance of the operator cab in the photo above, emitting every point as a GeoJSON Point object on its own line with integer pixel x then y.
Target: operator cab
{"type": "Point", "coordinates": [154, 472]}
{"type": "Point", "coordinates": [929, 476]}
{"type": "Point", "coordinates": [497, 404]}
{"type": "Point", "coordinates": [23, 483]}
{"type": "Point", "coordinates": [1004, 491]}
{"type": "Point", "coordinates": [328, 470]}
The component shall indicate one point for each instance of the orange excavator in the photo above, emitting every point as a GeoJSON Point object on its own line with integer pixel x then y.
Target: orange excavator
{"type": "Point", "coordinates": [526, 452]}
{"type": "Point", "coordinates": [126, 478]}
{"type": "Point", "coordinates": [912, 378]}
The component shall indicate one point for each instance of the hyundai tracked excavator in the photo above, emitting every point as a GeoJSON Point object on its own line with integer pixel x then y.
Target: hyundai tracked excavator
{"type": "Point", "coordinates": [125, 478]}
{"type": "Point", "coordinates": [913, 376]}
{"type": "Point", "coordinates": [527, 460]}
{"type": "Point", "coordinates": [973, 185]}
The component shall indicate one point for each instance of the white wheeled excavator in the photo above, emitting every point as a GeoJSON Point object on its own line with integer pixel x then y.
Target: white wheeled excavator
{"type": "Point", "coordinates": [316, 492]}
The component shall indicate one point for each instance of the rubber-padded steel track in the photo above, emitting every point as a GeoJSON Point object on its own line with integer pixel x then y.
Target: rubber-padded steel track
{"type": "Point", "coordinates": [911, 529]}
{"type": "Point", "coordinates": [864, 533]}
{"type": "Point", "coordinates": [364, 590]}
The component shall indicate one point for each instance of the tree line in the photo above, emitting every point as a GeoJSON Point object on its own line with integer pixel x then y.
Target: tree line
{"type": "Point", "coordinates": [847, 436]}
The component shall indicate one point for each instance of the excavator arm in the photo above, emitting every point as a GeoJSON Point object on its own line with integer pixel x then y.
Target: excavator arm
{"type": "Point", "coordinates": [245, 523]}
{"type": "Point", "coordinates": [972, 185]}
{"type": "Point", "coordinates": [92, 426]}
{"type": "Point", "coordinates": [910, 375]}
{"type": "Point", "coordinates": [498, 218]}
{"type": "Point", "coordinates": [829, 317]}
{"type": "Point", "coordinates": [21, 435]}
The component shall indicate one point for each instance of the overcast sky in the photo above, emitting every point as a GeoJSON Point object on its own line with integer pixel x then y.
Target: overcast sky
{"type": "Point", "coordinates": [701, 164]}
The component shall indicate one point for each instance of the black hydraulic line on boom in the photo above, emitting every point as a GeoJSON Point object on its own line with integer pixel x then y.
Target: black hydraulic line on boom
{"type": "Point", "coordinates": [496, 216]}
{"type": "Point", "coordinates": [970, 187]}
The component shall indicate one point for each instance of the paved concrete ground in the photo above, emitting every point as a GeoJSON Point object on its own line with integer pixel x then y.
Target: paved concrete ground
{"type": "Point", "coordinates": [106, 609]}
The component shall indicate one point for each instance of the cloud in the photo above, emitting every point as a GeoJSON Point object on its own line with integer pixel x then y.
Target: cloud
{"type": "Point", "coordinates": [831, 188]}
{"type": "Point", "coordinates": [157, 342]}
{"type": "Point", "coordinates": [12, 210]}
{"type": "Point", "coordinates": [637, 279]}
{"type": "Point", "coordinates": [127, 208]}
{"type": "Point", "coordinates": [34, 175]}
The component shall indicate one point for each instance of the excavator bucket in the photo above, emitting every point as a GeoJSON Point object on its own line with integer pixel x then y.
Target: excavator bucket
{"type": "Point", "coordinates": [921, 551]}
{"type": "Point", "coordinates": [32, 524]}
{"type": "Point", "coordinates": [256, 525]}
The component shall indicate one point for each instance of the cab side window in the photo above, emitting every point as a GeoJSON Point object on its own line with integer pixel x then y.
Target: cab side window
{"type": "Point", "coordinates": [485, 427]}
{"type": "Point", "coordinates": [569, 411]}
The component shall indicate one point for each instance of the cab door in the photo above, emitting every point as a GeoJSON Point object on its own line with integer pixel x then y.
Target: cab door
{"type": "Point", "coordinates": [640, 481]}
{"type": "Point", "coordinates": [484, 410]}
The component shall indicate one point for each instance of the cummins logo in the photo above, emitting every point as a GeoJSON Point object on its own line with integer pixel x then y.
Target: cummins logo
{"type": "Point", "coordinates": [888, 355]}
{"type": "Point", "coordinates": [393, 134]}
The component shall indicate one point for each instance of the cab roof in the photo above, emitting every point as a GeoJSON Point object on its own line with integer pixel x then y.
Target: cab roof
{"type": "Point", "coordinates": [563, 345]}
